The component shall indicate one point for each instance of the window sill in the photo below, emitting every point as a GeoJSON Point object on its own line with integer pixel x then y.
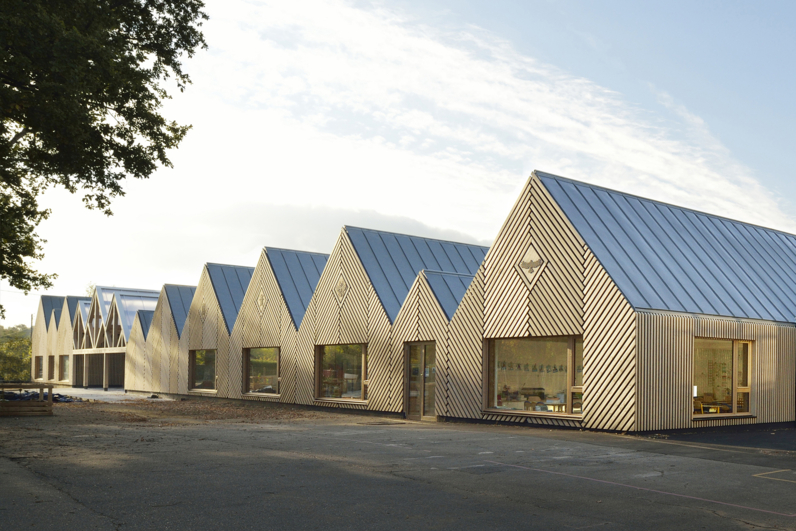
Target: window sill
{"type": "Point", "coordinates": [262, 395]}
{"type": "Point", "coordinates": [342, 401]}
{"type": "Point", "coordinates": [203, 391]}
{"type": "Point", "coordinates": [540, 414]}
{"type": "Point", "coordinates": [724, 416]}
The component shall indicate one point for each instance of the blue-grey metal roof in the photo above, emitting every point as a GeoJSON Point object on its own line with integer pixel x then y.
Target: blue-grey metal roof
{"type": "Point", "coordinates": [105, 296]}
{"type": "Point", "coordinates": [179, 299]}
{"type": "Point", "coordinates": [229, 284]}
{"type": "Point", "coordinates": [297, 273]}
{"type": "Point", "coordinates": [72, 303]}
{"type": "Point", "coordinates": [448, 288]}
{"type": "Point", "coordinates": [84, 307]}
{"type": "Point", "coordinates": [51, 304]}
{"type": "Point", "coordinates": [129, 303]}
{"type": "Point", "coordinates": [393, 261]}
{"type": "Point", "coordinates": [145, 318]}
{"type": "Point", "coordinates": [664, 257]}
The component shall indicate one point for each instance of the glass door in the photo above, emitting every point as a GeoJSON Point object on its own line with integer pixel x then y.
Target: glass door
{"type": "Point", "coordinates": [421, 380]}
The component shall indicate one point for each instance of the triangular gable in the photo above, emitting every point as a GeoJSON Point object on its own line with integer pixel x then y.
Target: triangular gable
{"type": "Point", "coordinates": [297, 273]}
{"type": "Point", "coordinates": [144, 320]}
{"type": "Point", "coordinates": [448, 288]}
{"type": "Point", "coordinates": [72, 303]}
{"type": "Point", "coordinates": [229, 284]}
{"type": "Point", "coordinates": [129, 303]}
{"type": "Point", "coordinates": [393, 261]}
{"type": "Point", "coordinates": [664, 257]}
{"type": "Point", "coordinates": [51, 305]}
{"type": "Point", "coordinates": [179, 299]}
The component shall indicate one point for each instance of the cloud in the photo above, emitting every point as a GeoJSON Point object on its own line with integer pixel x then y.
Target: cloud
{"type": "Point", "coordinates": [310, 114]}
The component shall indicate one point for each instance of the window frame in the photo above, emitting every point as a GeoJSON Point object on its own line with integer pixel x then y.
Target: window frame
{"type": "Point", "coordinates": [489, 381]}
{"type": "Point", "coordinates": [63, 372]}
{"type": "Point", "coordinates": [365, 375]}
{"type": "Point", "coordinates": [736, 389]}
{"type": "Point", "coordinates": [192, 368]}
{"type": "Point", "coordinates": [247, 367]}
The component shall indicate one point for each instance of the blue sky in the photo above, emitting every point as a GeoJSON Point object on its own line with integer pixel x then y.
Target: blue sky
{"type": "Point", "coordinates": [428, 117]}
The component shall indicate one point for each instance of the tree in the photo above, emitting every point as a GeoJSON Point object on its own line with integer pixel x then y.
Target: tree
{"type": "Point", "coordinates": [15, 353]}
{"type": "Point", "coordinates": [81, 89]}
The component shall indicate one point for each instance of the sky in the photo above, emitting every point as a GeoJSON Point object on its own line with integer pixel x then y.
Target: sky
{"type": "Point", "coordinates": [427, 118]}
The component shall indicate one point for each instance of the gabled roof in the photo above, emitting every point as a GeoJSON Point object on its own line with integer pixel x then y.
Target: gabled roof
{"type": "Point", "coordinates": [448, 288]}
{"type": "Point", "coordinates": [105, 296]}
{"type": "Point", "coordinates": [297, 273]}
{"type": "Point", "coordinates": [129, 303]}
{"type": "Point", "coordinates": [229, 284]}
{"type": "Point", "coordinates": [83, 307]}
{"type": "Point", "coordinates": [145, 318]}
{"type": "Point", "coordinates": [664, 257]}
{"type": "Point", "coordinates": [393, 261]}
{"type": "Point", "coordinates": [51, 304]}
{"type": "Point", "coordinates": [179, 298]}
{"type": "Point", "coordinates": [72, 304]}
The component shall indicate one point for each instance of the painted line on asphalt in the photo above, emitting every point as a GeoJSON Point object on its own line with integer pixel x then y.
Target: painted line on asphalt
{"type": "Point", "coordinates": [765, 475]}
{"type": "Point", "coordinates": [663, 492]}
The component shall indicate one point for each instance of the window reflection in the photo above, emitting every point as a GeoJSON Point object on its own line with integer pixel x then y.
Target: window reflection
{"type": "Point", "coordinates": [204, 369]}
{"type": "Point", "coordinates": [341, 372]}
{"type": "Point", "coordinates": [263, 370]}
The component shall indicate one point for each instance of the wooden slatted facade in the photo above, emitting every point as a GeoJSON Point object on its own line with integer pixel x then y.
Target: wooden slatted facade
{"type": "Point", "coordinates": [350, 316]}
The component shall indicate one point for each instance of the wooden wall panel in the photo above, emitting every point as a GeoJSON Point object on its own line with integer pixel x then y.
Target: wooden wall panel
{"type": "Point", "coordinates": [465, 360]}
{"type": "Point", "coordinates": [305, 355]}
{"type": "Point", "coordinates": [64, 345]}
{"type": "Point", "coordinates": [135, 357]}
{"type": "Point", "coordinates": [609, 353]}
{"type": "Point", "coordinates": [506, 295]}
{"type": "Point", "coordinates": [665, 369]}
{"type": "Point", "coordinates": [382, 386]}
{"type": "Point", "coordinates": [433, 326]}
{"type": "Point", "coordinates": [206, 331]}
{"type": "Point", "coordinates": [404, 329]}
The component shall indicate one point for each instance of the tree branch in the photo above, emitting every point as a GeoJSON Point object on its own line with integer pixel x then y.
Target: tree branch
{"type": "Point", "coordinates": [18, 136]}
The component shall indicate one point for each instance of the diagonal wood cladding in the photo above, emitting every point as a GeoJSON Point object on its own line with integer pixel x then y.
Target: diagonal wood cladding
{"type": "Point", "coordinates": [465, 359]}
{"type": "Point", "coordinates": [553, 304]}
{"type": "Point", "coordinates": [420, 319]}
{"type": "Point", "coordinates": [344, 309]}
{"type": "Point", "coordinates": [135, 359]}
{"type": "Point", "coordinates": [609, 354]}
{"type": "Point", "coordinates": [205, 325]}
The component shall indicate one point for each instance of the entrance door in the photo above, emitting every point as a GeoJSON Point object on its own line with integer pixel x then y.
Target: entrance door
{"type": "Point", "coordinates": [421, 380]}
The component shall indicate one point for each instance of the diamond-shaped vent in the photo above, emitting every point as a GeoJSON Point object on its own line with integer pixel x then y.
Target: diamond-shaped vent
{"type": "Point", "coordinates": [340, 289]}
{"type": "Point", "coordinates": [261, 302]}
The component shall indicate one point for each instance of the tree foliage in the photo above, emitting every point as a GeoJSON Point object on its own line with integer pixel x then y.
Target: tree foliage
{"type": "Point", "coordinates": [81, 90]}
{"type": "Point", "coordinates": [15, 354]}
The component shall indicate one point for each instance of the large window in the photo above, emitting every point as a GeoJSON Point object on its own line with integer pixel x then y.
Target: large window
{"type": "Point", "coordinates": [203, 369]}
{"type": "Point", "coordinates": [722, 374]}
{"type": "Point", "coordinates": [38, 369]}
{"type": "Point", "coordinates": [262, 370]}
{"type": "Point", "coordinates": [63, 368]}
{"type": "Point", "coordinates": [342, 372]}
{"type": "Point", "coordinates": [540, 375]}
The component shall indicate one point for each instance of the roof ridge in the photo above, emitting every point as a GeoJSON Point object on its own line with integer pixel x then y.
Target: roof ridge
{"type": "Point", "coordinates": [228, 265]}
{"type": "Point", "coordinates": [415, 236]}
{"type": "Point", "coordinates": [293, 250]}
{"type": "Point", "coordinates": [671, 205]}
{"type": "Point", "coordinates": [436, 271]}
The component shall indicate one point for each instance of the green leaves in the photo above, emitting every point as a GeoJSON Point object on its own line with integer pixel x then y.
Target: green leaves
{"type": "Point", "coordinates": [81, 88]}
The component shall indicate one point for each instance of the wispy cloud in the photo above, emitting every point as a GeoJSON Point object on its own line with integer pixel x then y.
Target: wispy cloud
{"type": "Point", "coordinates": [311, 114]}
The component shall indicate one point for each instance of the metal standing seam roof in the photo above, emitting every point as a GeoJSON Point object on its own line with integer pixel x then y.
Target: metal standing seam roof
{"type": "Point", "coordinates": [664, 257]}
{"type": "Point", "coordinates": [393, 261]}
{"type": "Point", "coordinates": [130, 303]}
{"type": "Point", "coordinates": [179, 299]}
{"type": "Point", "coordinates": [105, 296]}
{"type": "Point", "coordinates": [297, 273]}
{"type": "Point", "coordinates": [448, 288]}
{"type": "Point", "coordinates": [52, 304]}
{"type": "Point", "coordinates": [145, 318]}
{"type": "Point", "coordinates": [72, 305]}
{"type": "Point", "coordinates": [229, 284]}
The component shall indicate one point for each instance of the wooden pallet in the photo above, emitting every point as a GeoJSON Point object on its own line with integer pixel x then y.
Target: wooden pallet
{"type": "Point", "coordinates": [26, 408]}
